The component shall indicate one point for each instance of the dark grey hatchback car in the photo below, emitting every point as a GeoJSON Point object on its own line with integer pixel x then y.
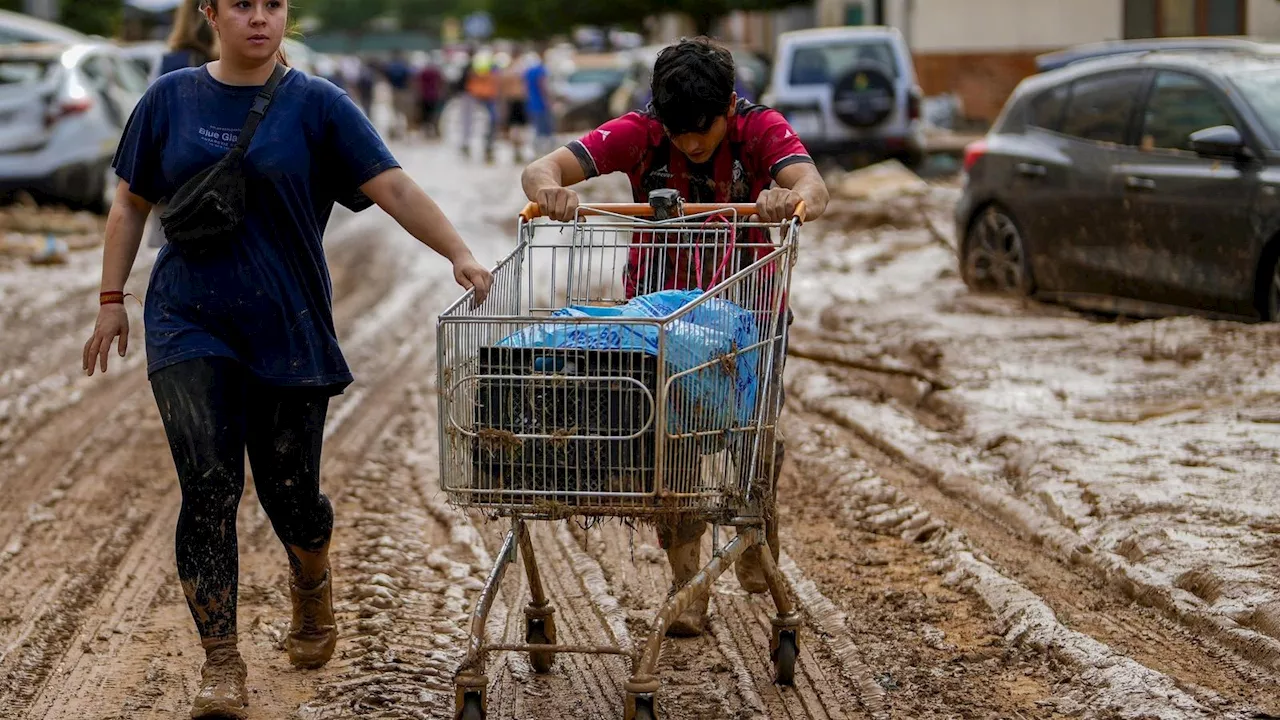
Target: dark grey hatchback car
{"type": "Point", "coordinates": [1142, 184]}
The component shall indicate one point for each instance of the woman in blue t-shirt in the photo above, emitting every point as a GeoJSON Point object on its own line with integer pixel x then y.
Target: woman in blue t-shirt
{"type": "Point", "coordinates": [241, 348]}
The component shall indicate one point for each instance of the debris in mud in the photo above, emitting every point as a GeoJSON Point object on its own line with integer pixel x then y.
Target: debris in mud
{"type": "Point", "coordinates": [46, 234]}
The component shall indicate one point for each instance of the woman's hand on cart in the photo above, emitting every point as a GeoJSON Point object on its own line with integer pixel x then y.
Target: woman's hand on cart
{"type": "Point", "coordinates": [558, 203]}
{"type": "Point", "coordinates": [471, 274]}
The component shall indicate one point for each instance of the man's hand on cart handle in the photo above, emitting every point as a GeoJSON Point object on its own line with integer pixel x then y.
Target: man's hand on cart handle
{"type": "Point", "coordinates": [779, 204]}
{"type": "Point", "coordinates": [558, 203]}
{"type": "Point", "coordinates": [471, 274]}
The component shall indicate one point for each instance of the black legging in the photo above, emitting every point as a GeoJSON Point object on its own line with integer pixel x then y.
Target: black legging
{"type": "Point", "coordinates": [214, 411]}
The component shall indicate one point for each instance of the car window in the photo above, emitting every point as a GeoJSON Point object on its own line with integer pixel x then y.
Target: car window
{"type": "Point", "coordinates": [1101, 106]}
{"type": "Point", "coordinates": [97, 70]}
{"type": "Point", "coordinates": [1260, 87]}
{"type": "Point", "coordinates": [17, 71]}
{"type": "Point", "coordinates": [826, 64]}
{"type": "Point", "coordinates": [1046, 110]}
{"type": "Point", "coordinates": [129, 77]}
{"type": "Point", "coordinates": [1179, 105]}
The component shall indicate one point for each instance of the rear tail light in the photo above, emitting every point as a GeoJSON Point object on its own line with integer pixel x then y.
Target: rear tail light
{"type": "Point", "coordinates": [913, 106]}
{"type": "Point", "coordinates": [973, 152]}
{"type": "Point", "coordinates": [67, 108]}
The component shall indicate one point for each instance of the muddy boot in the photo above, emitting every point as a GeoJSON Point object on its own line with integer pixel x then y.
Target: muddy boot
{"type": "Point", "coordinates": [684, 552]}
{"type": "Point", "coordinates": [313, 634]}
{"type": "Point", "coordinates": [222, 690]}
{"type": "Point", "coordinates": [748, 568]}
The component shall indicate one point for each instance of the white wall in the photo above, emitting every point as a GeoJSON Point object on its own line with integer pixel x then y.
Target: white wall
{"type": "Point", "coordinates": [1264, 18]}
{"type": "Point", "coordinates": [1008, 25]}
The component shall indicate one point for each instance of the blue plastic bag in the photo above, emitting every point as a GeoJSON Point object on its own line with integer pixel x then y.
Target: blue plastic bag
{"type": "Point", "coordinates": [715, 398]}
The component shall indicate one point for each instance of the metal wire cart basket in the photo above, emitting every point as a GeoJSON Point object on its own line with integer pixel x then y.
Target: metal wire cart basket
{"type": "Point", "coordinates": [626, 364]}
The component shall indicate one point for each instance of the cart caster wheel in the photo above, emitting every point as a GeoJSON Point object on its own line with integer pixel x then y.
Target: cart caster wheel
{"type": "Point", "coordinates": [644, 710]}
{"type": "Point", "coordinates": [784, 661]}
{"type": "Point", "coordinates": [472, 708]}
{"type": "Point", "coordinates": [536, 634]}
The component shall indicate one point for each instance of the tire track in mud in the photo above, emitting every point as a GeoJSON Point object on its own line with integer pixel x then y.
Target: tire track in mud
{"type": "Point", "coordinates": [1113, 677]}
{"type": "Point", "coordinates": [734, 653]}
{"type": "Point", "coordinates": [1079, 597]}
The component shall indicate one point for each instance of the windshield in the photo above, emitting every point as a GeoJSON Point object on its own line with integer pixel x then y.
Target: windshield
{"type": "Point", "coordinates": [826, 64]}
{"type": "Point", "coordinates": [1261, 89]}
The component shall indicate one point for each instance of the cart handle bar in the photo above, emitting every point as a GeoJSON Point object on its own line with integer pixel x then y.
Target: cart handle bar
{"type": "Point", "coordinates": [532, 211]}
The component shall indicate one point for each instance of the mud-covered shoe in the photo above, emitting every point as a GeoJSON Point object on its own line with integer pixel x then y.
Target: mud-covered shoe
{"type": "Point", "coordinates": [313, 635]}
{"type": "Point", "coordinates": [222, 686]}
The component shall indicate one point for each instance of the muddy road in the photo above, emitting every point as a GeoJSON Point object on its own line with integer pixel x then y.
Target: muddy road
{"type": "Point", "coordinates": [932, 586]}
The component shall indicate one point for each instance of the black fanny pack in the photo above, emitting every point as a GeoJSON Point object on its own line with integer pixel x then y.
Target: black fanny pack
{"type": "Point", "coordinates": [210, 205]}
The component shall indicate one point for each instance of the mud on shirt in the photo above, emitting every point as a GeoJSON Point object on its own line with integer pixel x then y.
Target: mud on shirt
{"type": "Point", "coordinates": [758, 144]}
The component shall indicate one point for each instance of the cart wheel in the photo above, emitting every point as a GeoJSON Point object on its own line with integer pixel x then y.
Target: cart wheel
{"type": "Point", "coordinates": [472, 707]}
{"type": "Point", "coordinates": [644, 709]}
{"type": "Point", "coordinates": [536, 634]}
{"type": "Point", "coordinates": [784, 662]}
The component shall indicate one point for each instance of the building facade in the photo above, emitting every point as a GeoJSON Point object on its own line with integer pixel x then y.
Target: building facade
{"type": "Point", "coordinates": [979, 50]}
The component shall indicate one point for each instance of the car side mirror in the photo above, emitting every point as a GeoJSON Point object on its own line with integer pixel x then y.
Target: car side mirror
{"type": "Point", "coordinates": [1222, 141]}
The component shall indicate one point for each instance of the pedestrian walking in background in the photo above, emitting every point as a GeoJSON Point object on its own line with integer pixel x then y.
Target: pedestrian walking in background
{"type": "Point", "coordinates": [364, 85]}
{"type": "Point", "coordinates": [482, 86]}
{"type": "Point", "coordinates": [192, 42]}
{"type": "Point", "coordinates": [431, 89]}
{"type": "Point", "coordinates": [538, 104]}
{"type": "Point", "coordinates": [404, 106]}
{"type": "Point", "coordinates": [241, 349]}
{"type": "Point", "coordinates": [515, 96]}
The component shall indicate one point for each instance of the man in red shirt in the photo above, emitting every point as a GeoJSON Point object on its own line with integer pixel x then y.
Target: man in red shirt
{"type": "Point", "coordinates": [699, 138]}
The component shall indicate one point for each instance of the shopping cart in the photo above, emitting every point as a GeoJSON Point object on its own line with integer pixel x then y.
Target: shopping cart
{"type": "Point", "coordinates": [546, 416]}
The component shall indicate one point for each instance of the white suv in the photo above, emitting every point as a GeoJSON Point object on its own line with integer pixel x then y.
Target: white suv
{"type": "Point", "coordinates": [850, 92]}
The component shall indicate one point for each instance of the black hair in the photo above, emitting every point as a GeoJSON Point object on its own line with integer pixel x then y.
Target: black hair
{"type": "Point", "coordinates": [693, 82]}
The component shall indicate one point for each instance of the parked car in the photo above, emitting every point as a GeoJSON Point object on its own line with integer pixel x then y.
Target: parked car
{"type": "Point", "coordinates": [62, 111]}
{"type": "Point", "coordinates": [1092, 51]}
{"type": "Point", "coordinates": [582, 96]}
{"type": "Point", "coordinates": [850, 92]}
{"type": "Point", "coordinates": [1143, 184]}
{"type": "Point", "coordinates": [19, 28]}
{"type": "Point", "coordinates": [635, 91]}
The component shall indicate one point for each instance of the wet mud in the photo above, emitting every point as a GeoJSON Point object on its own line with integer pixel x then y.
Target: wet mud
{"type": "Point", "coordinates": [919, 599]}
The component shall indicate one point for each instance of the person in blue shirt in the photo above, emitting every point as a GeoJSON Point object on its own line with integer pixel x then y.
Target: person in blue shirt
{"type": "Point", "coordinates": [538, 105]}
{"type": "Point", "coordinates": [191, 43]}
{"type": "Point", "coordinates": [241, 347]}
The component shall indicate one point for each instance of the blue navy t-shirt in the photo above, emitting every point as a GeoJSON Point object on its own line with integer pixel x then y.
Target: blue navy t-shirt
{"type": "Point", "coordinates": [266, 298]}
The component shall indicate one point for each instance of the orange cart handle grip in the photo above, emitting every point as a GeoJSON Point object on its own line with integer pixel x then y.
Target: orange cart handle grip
{"type": "Point", "coordinates": [532, 211]}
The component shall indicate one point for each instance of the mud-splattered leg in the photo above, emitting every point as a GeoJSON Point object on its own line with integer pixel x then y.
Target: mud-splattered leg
{"type": "Point", "coordinates": [683, 543]}
{"type": "Point", "coordinates": [286, 432]}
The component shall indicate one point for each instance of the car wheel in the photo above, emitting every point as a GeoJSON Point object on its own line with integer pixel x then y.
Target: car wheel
{"type": "Point", "coordinates": [1273, 290]}
{"type": "Point", "coordinates": [995, 255]}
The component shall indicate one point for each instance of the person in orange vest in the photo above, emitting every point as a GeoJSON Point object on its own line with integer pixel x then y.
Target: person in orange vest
{"type": "Point", "coordinates": [482, 86]}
